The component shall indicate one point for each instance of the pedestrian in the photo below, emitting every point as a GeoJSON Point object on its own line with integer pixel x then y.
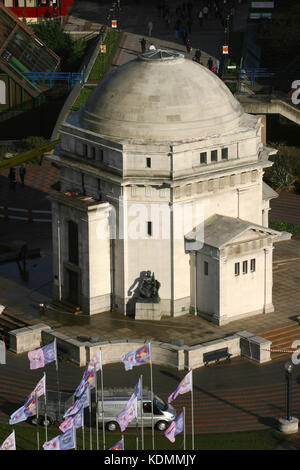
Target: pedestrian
{"type": "Point", "coordinates": [200, 16]}
{"type": "Point", "coordinates": [22, 173]}
{"type": "Point", "coordinates": [188, 45]}
{"type": "Point", "coordinates": [143, 44]}
{"type": "Point", "coordinates": [150, 27]}
{"type": "Point", "coordinates": [152, 47]}
{"type": "Point", "coordinates": [205, 11]}
{"type": "Point", "coordinates": [210, 63]}
{"type": "Point", "coordinates": [197, 56]}
{"type": "Point", "coordinates": [217, 64]}
{"type": "Point", "coordinates": [12, 178]}
{"type": "Point", "coordinates": [54, 13]}
{"type": "Point", "coordinates": [47, 15]}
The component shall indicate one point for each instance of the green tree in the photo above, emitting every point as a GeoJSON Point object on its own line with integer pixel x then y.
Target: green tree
{"type": "Point", "coordinates": [71, 51]}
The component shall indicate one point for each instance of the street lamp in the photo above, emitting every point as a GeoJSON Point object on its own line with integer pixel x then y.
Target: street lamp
{"type": "Point", "coordinates": [288, 424]}
{"type": "Point", "coordinates": [288, 366]}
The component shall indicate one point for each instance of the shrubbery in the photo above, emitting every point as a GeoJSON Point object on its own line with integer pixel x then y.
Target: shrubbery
{"type": "Point", "coordinates": [70, 51]}
{"type": "Point", "coordinates": [285, 172]}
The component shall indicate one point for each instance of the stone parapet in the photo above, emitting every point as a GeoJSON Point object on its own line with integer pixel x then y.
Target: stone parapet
{"type": "Point", "coordinates": [26, 339]}
{"type": "Point", "coordinates": [194, 354]}
{"type": "Point", "coordinates": [254, 347]}
{"type": "Point", "coordinates": [177, 356]}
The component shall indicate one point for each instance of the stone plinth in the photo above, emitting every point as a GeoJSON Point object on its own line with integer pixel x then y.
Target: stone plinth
{"type": "Point", "coordinates": [288, 426]}
{"type": "Point", "coordinates": [147, 311]}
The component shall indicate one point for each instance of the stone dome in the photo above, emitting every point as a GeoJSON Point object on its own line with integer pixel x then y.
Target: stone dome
{"type": "Point", "coordinates": [161, 96]}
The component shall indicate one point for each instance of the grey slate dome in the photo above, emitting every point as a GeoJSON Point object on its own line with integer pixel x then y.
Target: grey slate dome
{"type": "Point", "coordinates": [161, 96]}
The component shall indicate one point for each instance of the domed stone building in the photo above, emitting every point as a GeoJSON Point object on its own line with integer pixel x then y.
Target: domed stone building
{"type": "Point", "coordinates": [163, 172]}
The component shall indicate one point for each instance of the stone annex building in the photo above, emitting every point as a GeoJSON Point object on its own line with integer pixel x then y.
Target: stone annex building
{"type": "Point", "coordinates": [163, 171]}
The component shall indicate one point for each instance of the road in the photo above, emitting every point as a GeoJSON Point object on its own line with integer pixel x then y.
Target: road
{"type": "Point", "coordinates": [235, 396]}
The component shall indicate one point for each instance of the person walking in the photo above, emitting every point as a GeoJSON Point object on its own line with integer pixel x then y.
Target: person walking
{"type": "Point", "coordinates": [12, 178]}
{"type": "Point", "coordinates": [188, 45]}
{"type": "Point", "coordinates": [210, 63]}
{"type": "Point", "coordinates": [22, 173]}
{"type": "Point", "coordinates": [143, 44]}
{"type": "Point", "coordinates": [200, 16]}
{"type": "Point", "coordinates": [197, 56]}
{"type": "Point", "coordinates": [205, 11]}
{"type": "Point", "coordinates": [150, 27]}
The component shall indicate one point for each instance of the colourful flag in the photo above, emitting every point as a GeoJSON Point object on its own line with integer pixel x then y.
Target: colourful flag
{"type": "Point", "coordinates": [9, 443]}
{"type": "Point", "coordinates": [40, 388]}
{"type": "Point", "coordinates": [128, 414]}
{"type": "Point", "coordinates": [30, 406]}
{"type": "Point", "coordinates": [82, 402]}
{"type": "Point", "coordinates": [185, 386]}
{"type": "Point", "coordinates": [136, 358]}
{"type": "Point", "coordinates": [88, 380]}
{"type": "Point", "coordinates": [64, 441]}
{"type": "Point", "coordinates": [2, 349]}
{"type": "Point", "coordinates": [138, 390]}
{"type": "Point", "coordinates": [18, 416]}
{"type": "Point", "coordinates": [96, 361]}
{"type": "Point", "coordinates": [175, 427]}
{"type": "Point", "coordinates": [75, 420]}
{"type": "Point", "coordinates": [118, 446]}
{"type": "Point", "coordinates": [40, 357]}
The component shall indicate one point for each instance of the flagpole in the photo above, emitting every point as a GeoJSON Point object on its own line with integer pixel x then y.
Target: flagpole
{"type": "Point", "coordinates": [46, 419]}
{"type": "Point", "coordinates": [57, 377]}
{"type": "Point", "coordinates": [90, 413]}
{"type": "Point", "coordinates": [83, 435]}
{"type": "Point", "coordinates": [142, 412]}
{"type": "Point", "coordinates": [102, 396]}
{"type": "Point", "coordinates": [184, 435]}
{"type": "Point", "coordinates": [37, 422]}
{"type": "Point", "coordinates": [74, 431]}
{"type": "Point", "coordinates": [192, 409]}
{"type": "Point", "coordinates": [123, 441]}
{"type": "Point", "coordinates": [96, 399]}
{"type": "Point", "coordinates": [152, 397]}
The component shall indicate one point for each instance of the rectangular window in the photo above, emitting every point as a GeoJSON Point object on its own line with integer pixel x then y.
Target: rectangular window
{"type": "Point", "coordinates": [237, 269]}
{"type": "Point", "coordinates": [148, 160]}
{"type": "Point", "coordinates": [149, 228]}
{"type": "Point", "coordinates": [225, 154]}
{"type": "Point", "coordinates": [205, 268]}
{"type": "Point", "coordinates": [245, 267]}
{"type": "Point", "coordinates": [101, 155]}
{"type": "Point", "coordinates": [73, 241]}
{"type": "Point", "coordinates": [93, 153]}
{"type": "Point", "coordinates": [214, 156]}
{"type": "Point", "coordinates": [253, 265]}
{"type": "Point", "coordinates": [203, 158]}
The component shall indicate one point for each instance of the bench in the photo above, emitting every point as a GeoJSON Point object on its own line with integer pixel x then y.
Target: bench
{"type": "Point", "coordinates": [216, 356]}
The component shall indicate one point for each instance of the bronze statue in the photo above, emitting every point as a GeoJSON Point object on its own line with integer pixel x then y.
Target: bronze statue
{"type": "Point", "coordinates": [148, 288]}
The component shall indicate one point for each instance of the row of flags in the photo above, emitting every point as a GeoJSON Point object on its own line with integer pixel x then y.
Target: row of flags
{"type": "Point", "coordinates": [74, 416]}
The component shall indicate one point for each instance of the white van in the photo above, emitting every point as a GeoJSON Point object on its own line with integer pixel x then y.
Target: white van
{"type": "Point", "coordinates": [163, 413]}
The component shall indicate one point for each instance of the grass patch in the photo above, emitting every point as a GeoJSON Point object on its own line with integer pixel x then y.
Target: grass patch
{"type": "Point", "coordinates": [103, 59]}
{"type": "Point", "coordinates": [284, 227]}
{"type": "Point", "coordinates": [26, 439]}
{"type": "Point", "coordinates": [82, 97]}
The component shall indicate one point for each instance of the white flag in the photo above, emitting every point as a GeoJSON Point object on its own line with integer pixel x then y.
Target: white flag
{"type": "Point", "coordinates": [9, 443]}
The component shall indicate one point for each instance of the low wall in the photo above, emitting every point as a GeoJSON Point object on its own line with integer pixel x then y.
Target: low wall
{"type": "Point", "coordinates": [26, 339]}
{"type": "Point", "coordinates": [194, 354]}
{"type": "Point", "coordinates": [179, 357]}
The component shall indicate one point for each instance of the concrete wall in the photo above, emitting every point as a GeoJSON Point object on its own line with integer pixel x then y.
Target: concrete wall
{"type": "Point", "coordinates": [165, 354]}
